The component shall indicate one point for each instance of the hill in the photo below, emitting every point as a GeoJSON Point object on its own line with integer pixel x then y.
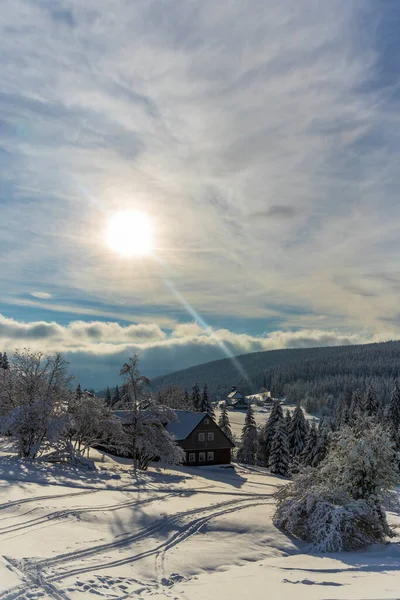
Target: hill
{"type": "Point", "coordinates": [298, 372]}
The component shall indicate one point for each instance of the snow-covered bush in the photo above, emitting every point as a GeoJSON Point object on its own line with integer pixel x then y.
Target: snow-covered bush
{"type": "Point", "coordinates": [91, 423]}
{"type": "Point", "coordinates": [328, 518]}
{"type": "Point", "coordinates": [29, 424]}
{"type": "Point", "coordinates": [339, 505]}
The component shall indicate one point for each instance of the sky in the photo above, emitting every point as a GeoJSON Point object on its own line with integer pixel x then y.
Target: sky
{"type": "Point", "coordinates": [261, 140]}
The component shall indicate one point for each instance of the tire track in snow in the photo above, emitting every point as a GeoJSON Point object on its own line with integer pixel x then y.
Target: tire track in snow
{"type": "Point", "coordinates": [177, 520]}
{"type": "Point", "coordinates": [64, 514]}
{"type": "Point", "coordinates": [191, 529]}
{"type": "Point", "coordinates": [34, 580]}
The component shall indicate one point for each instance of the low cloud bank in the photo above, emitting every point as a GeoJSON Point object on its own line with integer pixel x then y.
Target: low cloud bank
{"type": "Point", "coordinates": [97, 349]}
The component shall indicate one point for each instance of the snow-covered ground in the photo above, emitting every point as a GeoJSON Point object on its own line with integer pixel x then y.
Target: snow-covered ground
{"type": "Point", "coordinates": [199, 533]}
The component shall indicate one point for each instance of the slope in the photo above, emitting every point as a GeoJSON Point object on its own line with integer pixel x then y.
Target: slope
{"type": "Point", "coordinates": [276, 370]}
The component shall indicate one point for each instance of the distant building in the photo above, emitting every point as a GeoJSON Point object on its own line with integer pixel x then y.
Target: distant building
{"type": "Point", "coordinates": [236, 400]}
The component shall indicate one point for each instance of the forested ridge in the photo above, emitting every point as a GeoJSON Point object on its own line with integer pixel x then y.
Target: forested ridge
{"type": "Point", "coordinates": [297, 373]}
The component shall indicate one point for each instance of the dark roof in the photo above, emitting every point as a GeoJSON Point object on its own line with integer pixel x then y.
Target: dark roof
{"type": "Point", "coordinates": [235, 393]}
{"type": "Point", "coordinates": [187, 422]}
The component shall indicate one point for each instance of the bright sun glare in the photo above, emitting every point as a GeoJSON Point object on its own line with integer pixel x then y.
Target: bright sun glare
{"type": "Point", "coordinates": [130, 234]}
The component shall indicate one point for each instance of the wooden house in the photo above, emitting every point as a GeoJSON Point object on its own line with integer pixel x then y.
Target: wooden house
{"type": "Point", "coordinates": [197, 434]}
{"type": "Point", "coordinates": [236, 400]}
{"type": "Point", "coordinates": [201, 438]}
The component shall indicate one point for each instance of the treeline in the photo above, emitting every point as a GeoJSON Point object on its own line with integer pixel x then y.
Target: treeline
{"type": "Point", "coordinates": [46, 417]}
{"type": "Point", "coordinates": [314, 373]}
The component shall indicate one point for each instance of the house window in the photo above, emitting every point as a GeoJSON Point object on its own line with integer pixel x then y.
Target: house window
{"type": "Point", "coordinates": [202, 437]}
{"type": "Point", "coordinates": [210, 456]}
{"type": "Point", "coordinates": [206, 421]}
{"type": "Point", "coordinates": [202, 457]}
{"type": "Point", "coordinates": [210, 436]}
{"type": "Point", "coordinates": [192, 457]}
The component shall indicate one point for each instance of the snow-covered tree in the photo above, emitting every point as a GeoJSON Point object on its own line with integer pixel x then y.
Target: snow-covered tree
{"type": "Point", "coordinates": [339, 505]}
{"type": "Point", "coordinates": [116, 397]}
{"type": "Point", "coordinates": [356, 406]}
{"type": "Point", "coordinates": [309, 456]}
{"type": "Point", "coordinates": [37, 376]}
{"type": "Point", "coordinates": [107, 398]}
{"type": "Point", "coordinates": [372, 403]}
{"type": "Point", "coordinates": [224, 422]}
{"type": "Point", "coordinates": [249, 439]}
{"type": "Point", "coordinates": [91, 424]}
{"type": "Point", "coordinates": [78, 393]}
{"type": "Point", "coordinates": [146, 435]}
{"type": "Point", "coordinates": [196, 397]}
{"type": "Point", "coordinates": [324, 431]}
{"type": "Point", "coordinates": [392, 416]}
{"type": "Point", "coordinates": [174, 397]}
{"type": "Point", "coordinates": [38, 391]}
{"type": "Point", "coordinates": [4, 361]}
{"type": "Point", "coordinates": [28, 424]}
{"type": "Point", "coordinates": [342, 410]}
{"type": "Point", "coordinates": [186, 400]}
{"type": "Point", "coordinates": [147, 439]}
{"type": "Point", "coordinates": [267, 434]}
{"type": "Point", "coordinates": [279, 456]}
{"type": "Point", "coordinates": [205, 403]}
{"type": "Point", "coordinates": [297, 432]}
{"type": "Point", "coordinates": [288, 419]}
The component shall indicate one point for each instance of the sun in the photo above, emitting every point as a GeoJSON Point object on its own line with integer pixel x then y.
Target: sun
{"type": "Point", "coordinates": [130, 234]}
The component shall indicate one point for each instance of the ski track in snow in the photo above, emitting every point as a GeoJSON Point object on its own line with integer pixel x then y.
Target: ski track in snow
{"type": "Point", "coordinates": [39, 583]}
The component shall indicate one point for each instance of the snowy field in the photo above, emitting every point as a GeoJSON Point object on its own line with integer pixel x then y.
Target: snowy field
{"type": "Point", "coordinates": [201, 533]}
{"type": "Point", "coordinates": [261, 414]}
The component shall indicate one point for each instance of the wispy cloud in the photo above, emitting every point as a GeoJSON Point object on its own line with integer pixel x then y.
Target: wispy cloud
{"type": "Point", "coordinates": [41, 295]}
{"type": "Point", "coordinates": [201, 114]}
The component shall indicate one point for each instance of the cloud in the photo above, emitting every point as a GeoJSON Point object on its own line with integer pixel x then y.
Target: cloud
{"type": "Point", "coordinates": [201, 114]}
{"type": "Point", "coordinates": [96, 350]}
{"type": "Point", "coordinates": [278, 212]}
{"type": "Point", "coordinates": [41, 295]}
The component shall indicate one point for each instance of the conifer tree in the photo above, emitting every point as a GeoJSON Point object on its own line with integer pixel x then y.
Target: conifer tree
{"type": "Point", "coordinates": [107, 398]}
{"type": "Point", "coordinates": [196, 397]}
{"type": "Point", "coordinates": [342, 410]}
{"type": "Point", "coordinates": [297, 432]}
{"type": "Point", "coordinates": [78, 393]}
{"type": "Point", "coordinates": [308, 455]}
{"type": "Point", "coordinates": [371, 402]}
{"type": "Point", "coordinates": [186, 400]}
{"type": "Point", "coordinates": [393, 414]}
{"type": "Point", "coordinates": [279, 457]}
{"type": "Point", "coordinates": [356, 406]}
{"type": "Point", "coordinates": [322, 444]}
{"type": "Point", "coordinates": [1, 359]}
{"type": "Point", "coordinates": [288, 419]}
{"type": "Point", "coordinates": [4, 361]}
{"type": "Point", "coordinates": [116, 397]}
{"type": "Point", "coordinates": [224, 423]}
{"type": "Point", "coordinates": [205, 403]}
{"type": "Point", "coordinates": [267, 434]}
{"type": "Point", "coordinates": [248, 448]}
